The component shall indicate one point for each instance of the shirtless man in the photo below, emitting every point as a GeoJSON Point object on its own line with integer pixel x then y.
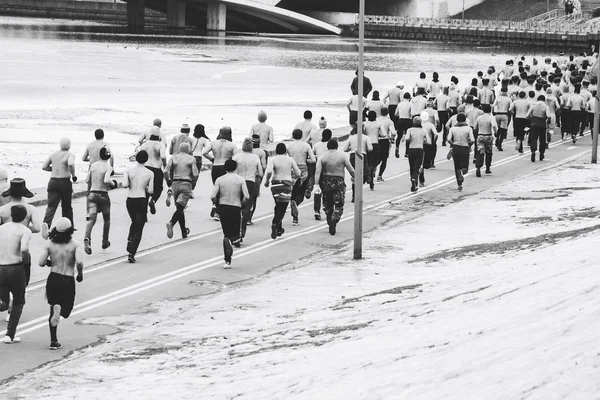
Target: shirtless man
{"type": "Point", "coordinates": [264, 131]}
{"type": "Point", "coordinates": [263, 162]}
{"type": "Point", "coordinates": [486, 128]}
{"type": "Point", "coordinates": [230, 193]}
{"type": "Point", "coordinates": [374, 131]}
{"type": "Point", "coordinates": [139, 180]}
{"type": "Point", "coordinates": [157, 160]}
{"type": "Point", "coordinates": [15, 264]}
{"type": "Point", "coordinates": [519, 109]}
{"type": "Point", "coordinates": [418, 103]}
{"type": "Point", "coordinates": [250, 168]}
{"type": "Point", "coordinates": [280, 167]}
{"type": "Point", "coordinates": [429, 148]}
{"type": "Point", "coordinates": [154, 130]}
{"type": "Point", "coordinates": [416, 138]}
{"type": "Point", "coordinates": [351, 145]}
{"type": "Point", "coordinates": [183, 137]}
{"type": "Point", "coordinates": [403, 116]}
{"type": "Point", "coordinates": [319, 149]}
{"type": "Point", "coordinates": [388, 135]}
{"type": "Point", "coordinates": [330, 179]}
{"type": "Point", "coordinates": [61, 164]}
{"type": "Point", "coordinates": [181, 175]}
{"type": "Point", "coordinates": [306, 126]}
{"type": "Point", "coordinates": [222, 150]}
{"type": "Point", "coordinates": [394, 97]}
{"type": "Point", "coordinates": [441, 105]}
{"type": "Point", "coordinates": [99, 180]}
{"type": "Point", "coordinates": [92, 151]}
{"type": "Point", "coordinates": [301, 152]}
{"type": "Point", "coordinates": [576, 104]}
{"type": "Point", "coordinates": [66, 255]}
{"type": "Point", "coordinates": [539, 114]}
{"type": "Point", "coordinates": [315, 135]}
{"type": "Point", "coordinates": [14, 195]}
{"type": "Point", "coordinates": [501, 107]}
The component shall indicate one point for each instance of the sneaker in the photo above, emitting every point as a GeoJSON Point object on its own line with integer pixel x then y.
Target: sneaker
{"type": "Point", "coordinates": [413, 185]}
{"type": "Point", "coordinates": [294, 208]}
{"type": "Point", "coordinates": [372, 185]}
{"type": "Point", "coordinates": [152, 207]}
{"type": "Point", "coordinates": [185, 233]}
{"type": "Point", "coordinates": [541, 157]}
{"type": "Point", "coordinates": [55, 315]}
{"type": "Point", "coordinates": [459, 188]}
{"type": "Point", "coordinates": [280, 232]}
{"type": "Point", "coordinates": [332, 228]}
{"type": "Point", "coordinates": [461, 177]}
{"type": "Point", "coordinates": [405, 155]}
{"type": "Point", "coordinates": [478, 173]}
{"type": "Point", "coordinates": [317, 216]}
{"type": "Point", "coordinates": [45, 231]}
{"type": "Point", "coordinates": [574, 139]}
{"type": "Point", "coordinates": [421, 184]}
{"type": "Point", "coordinates": [250, 223]}
{"type": "Point", "coordinates": [216, 217]}
{"type": "Point", "coordinates": [532, 157]}
{"type": "Point", "coordinates": [488, 171]}
{"type": "Point", "coordinates": [274, 231]}
{"type": "Point", "coordinates": [105, 245]}
{"type": "Point", "coordinates": [55, 346]}
{"type": "Point", "coordinates": [9, 340]}
{"type": "Point", "coordinates": [380, 179]}
{"type": "Point", "coordinates": [169, 230]}
{"type": "Point", "coordinates": [307, 194]}
{"type": "Point", "coordinates": [227, 265]}
{"type": "Point", "coordinates": [86, 246]}
{"type": "Point", "coordinates": [168, 200]}
{"type": "Point", "coordinates": [295, 222]}
{"type": "Point", "coordinates": [580, 134]}
{"type": "Point", "coordinates": [131, 259]}
{"type": "Point", "coordinates": [3, 306]}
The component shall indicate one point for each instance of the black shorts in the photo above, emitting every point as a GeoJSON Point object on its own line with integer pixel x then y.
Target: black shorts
{"type": "Point", "coordinates": [60, 289]}
{"type": "Point", "coordinates": [217, 171]}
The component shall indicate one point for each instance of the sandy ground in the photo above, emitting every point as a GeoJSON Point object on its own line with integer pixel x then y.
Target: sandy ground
{"type": "Point", "coordinates": [437, 309]}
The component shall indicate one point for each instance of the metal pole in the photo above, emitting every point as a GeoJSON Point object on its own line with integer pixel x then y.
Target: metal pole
{"type": "Point", "coordinates": [596, 122]}
{"type": "Point", "coordinates": [358, 174]}
{"type": "Point", "coordinates": [463, 14]}
{"type": "Point", "coordinates": [548, 6]}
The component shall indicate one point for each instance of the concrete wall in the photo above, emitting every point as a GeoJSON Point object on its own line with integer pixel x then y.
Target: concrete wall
{"type": "Point", "coordinates": [423, 8]}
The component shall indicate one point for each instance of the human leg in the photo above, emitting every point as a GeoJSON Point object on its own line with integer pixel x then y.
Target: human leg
{"type": "Point", "coordinates": [53, 201]}
{"type": "Point", "coordinates": [16, 280]}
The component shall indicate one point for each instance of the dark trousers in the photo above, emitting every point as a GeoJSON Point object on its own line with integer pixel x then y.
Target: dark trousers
{"type": "Point", "coordinates": [519, 126]}
{"type": "Point", "coordinates": [444, 117]}
{"type": "Point", "coordinates": [60, 190]}
{"type": "Point", "coordinates": [415, 161]}
{"type": "Point", "coordinates": [13, 280]}
{"type": "Point", "coordinates": [231, 219]}
{"type": "Point", "coordinates": [216, 172]}
{"type": "Point", "coordinates": [475, 149]}
{"type": "Point", "coordinates": [565, 121]}
{"type": "Point", "coordinates": [384, 154]}
{"type": "Point", "coordinates": [279, 213]}
{"type": "Point", "coordinates": [317, 202]}
{"type": "Point", "coordinates": [373, 161]}
{"type": "Point", "coordinates": [247, 208]}
{"type": "Point", "coordinates": [577, 121]}
{"type": "Point", "coordinates": [403, 125]}
{"type": "Point", "coordinates": [392, 113]}
{"type": "Point", "coordinates": [429, 152]}
{"type": "Point", "coordinates": [137, 208]}
{"type": "Point", "coordinates": [60, 289]}
{"type": "Point", "coordinates": [538, 133]}
{"type": "Point", "coordinates": [590, 119]}
{"type": "Point", "coordinates": [98, 203]}
{"type": "Point", "coordinates": [159, 177]}
{"type": "Point", "coordinates": [460, 156]}
{"type": "Point", "coordinates": [299, 190]}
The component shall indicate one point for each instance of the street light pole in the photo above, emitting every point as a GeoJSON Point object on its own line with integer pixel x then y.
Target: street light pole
{"type": "Point", "coordinates": [358, 158]}
{"type": "Point", "coordinates": [463, 14]}
{"type": "Point", "coordinates": [596, 120]}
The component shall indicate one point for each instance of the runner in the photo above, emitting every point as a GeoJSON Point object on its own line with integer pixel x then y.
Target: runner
{"type": "Point", "coordinates": [250, 168]}
{"type": "Point", "coordinates": [461, 138]}
{"type": "Point", "coordinates": [301, 152]}
{"type": "Point", "coordinates": [519, 109]}
{"type": "Point", "coordinates": [403, 116]}
{"type": "Point", "coordinates": [183, 137]}
{"type": "Point", "coordinates": [429, 148]}
{"type": "Point", "coordinates": [435, 86]}
{"type": "Point", "coordinates": [264, 131]}
{"type": "Point", "coordinates": [353, 111]}
{"type": "Point", "coordinates": [139, 180]}
{"type": "Point", "coordinates": [65, 255]}
{"type": "Point", "coordinates": [200, 142]}
{"type": "Point", "coordinates": [565, 112]}
{"type": "Point", "coordinates": [319, 149]}
{"type": "Point", "coordinates": [418, 103]}
{"type": "Point", "coordinates": [539, 114]}
{"type": "Point", "coordinates": [306, 126]}
{"type": "Point", "coordinates": [99, 181]}
{"type": "Point", "coordinates": [315, 134]}
{"type": "Point", "coordinates": [154, 130]}
{"type": "Point", "coordinates": [388, 135]}
{"type": "Point", "coordinates": [280, 168]}
{"type": "Point", "coordinates": [229, 194]}
{"type": "Point", "coordinates": [373, 131]}
{"type": "Point", "coordinates": [222, 150]}
{"type": "Point", "coordinates": [394, 96]}
{"type": "Point", "coordinates": [15, 268]}
{"type": "Point", "coordinates": [472, 111]}
{"type": "Point", "coordinates": [330, 175]}
{"type": "Point", "coordinates": [421, 85]}
{"type": "Point", "coordinates": [61, 164]}
{"type": "Point", "coordinates": [442, 101]}
{"type": "Point", "coordinates": [92, 154]}
{"type": "Point", "coordinates": [416, 137]}
{"type": "Point", "coordinates": [181, 175]}
{"type": "Point", "coordinates": [501, 108]}
{"type": "Point", "coordinates": [375, 104]}
{"type": "Point", "coordinates": [576, 104]}
{"type": "Point", "coordinates": [486, 128]}
{"type": "Point", "coordinates": [262, 155]}
{"type": "Point", "coordinates": [351, 145]}
{"type": "Point", "coordinates": [157, 160]}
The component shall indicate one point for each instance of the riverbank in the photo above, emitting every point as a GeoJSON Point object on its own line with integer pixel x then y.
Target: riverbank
{"type": "Point", "coordinates": [435, 310]}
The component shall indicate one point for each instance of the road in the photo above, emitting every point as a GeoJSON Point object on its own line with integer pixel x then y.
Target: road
{"type": "Point", "coordinates": [193, 267]}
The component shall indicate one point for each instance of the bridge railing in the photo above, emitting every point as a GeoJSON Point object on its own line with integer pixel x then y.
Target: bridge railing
{"type": "Point", "coordinates": [547, 16]}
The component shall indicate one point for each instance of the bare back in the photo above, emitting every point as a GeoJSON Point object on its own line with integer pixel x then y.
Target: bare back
{"type": "Point", "coordinates": [333, 163]}
{"type": "Point", "coordinates": [157, 154]}
{"type": "Point", "coordinates": [139, 180]}
{"type": "Point", "coordinates": [99, 174]}
{"type": "Point", "coordinates": [60, 162]}
{"type": "Point", "coordinates": [223, 150]}
{"type": "Point", "coordinates": [31, 221]}
{"type": "Point", "coordinates": [64, 256]}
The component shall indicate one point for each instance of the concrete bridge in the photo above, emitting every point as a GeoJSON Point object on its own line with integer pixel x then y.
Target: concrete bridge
{"type": "Point", "coordinates": [231, 15]}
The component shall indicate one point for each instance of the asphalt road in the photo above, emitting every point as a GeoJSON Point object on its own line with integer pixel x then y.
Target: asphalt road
{"type": "Point", "coordinates": [180, 268]}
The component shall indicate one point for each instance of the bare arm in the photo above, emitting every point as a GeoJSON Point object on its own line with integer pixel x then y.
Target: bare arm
{"type": "Point", "coordinates": [35, 225]}
{"type": "Point", "coordinates": [163, 156]}
{"type": "Point", "coordinates": [43, 256]}
{"type": "Point", "coordinates": [349, 166]}
{"type": "Point", "coordinates": [245, 193]}
{"type": "Point", "coordinates": [47, 165]}
{"type": "Point", "coordinates": [71, 164]}
{"type": "Point", "coordinates": [318, 169]}
{"type": "Point", "coordinates": [125, 180]}
{"type": "Point", "coordinates": [150, 185]}
{"type": "Point", "coordinates": [215, 193]}
{"type": "Point", "coordinates": [271, 136]}
{"type": "Point", "coordinates": [311, 157]}
{"type": "Point", "coordinates": [168, 170]}
{"type": "Point", "coordinates": [295, 168]}
{"type": "Point", "coordinates": [86, 155]}
{"type": "Point", "coordinates": [79, 259]}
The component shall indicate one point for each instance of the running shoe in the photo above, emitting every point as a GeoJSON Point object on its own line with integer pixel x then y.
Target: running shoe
{"type": "Point", "coordinates": [169, 230]}
{"type": "Point", "coordinates": [461, 177]}
{"type": "Point", "coordinates": [280, 232]}
{"type": "Point", "coordinates": [317, 216]}
{"type": "Point", "coordinates": [86, 246]}
{"type": "Point", "coordinates": [169, 195]}
{"type": "Point", "coordinates": [380, 179]}
{"type": "Point", "coordinates": [273, 231]}
{"type": "Point", "coordinates": [459, 188]}
{"type": "Point", "coordinates": [421, 184]}
{"type": "Point", "coordinates": [295, 222]}
{"type": "Point", "coordinates": [294, 208]}
{"type": "Point", "coordinates": [488, 171]}
{"type": "Point", "coordinates": [55, 315]}
{"type": "Point", "coordinates": [216, 217]}
{"type": "Point", "coordinates": [105, 245]}
{"type": "Point", "coordinates": [541, 157]}
{"type": "Point", "coordinates": [227, 265]}
{"type": "Point", "coordinates": [478, 173]}
{"type": "Point", "coordinates": [152, 207]}
{"type": "Point", "coordinates": [307, 194]}
{"type": "Point", "coordinates": [413, 185]}
{"type": "Point", "coordinates": [332, 228]}
{"type": "Point", "coordinates": [55, 346]}
{"type": "Point", "coordinates": [185, 233]}
{"type": "Point", "coordinates": [574, 139]}
{"type": "Point", "coordinates": [9, 340]}
{"type": "Point", "coordinates": [250, 223]}
{"type": "Point", "coordinates": [131, 259]}
{"type": "Point", "coordinates": [532, 157]}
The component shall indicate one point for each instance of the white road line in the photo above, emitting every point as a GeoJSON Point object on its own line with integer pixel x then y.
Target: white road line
{"type": "Point", "coordinates": [193, 268]}
{"type": "Point", "coordinates": [571, 148]}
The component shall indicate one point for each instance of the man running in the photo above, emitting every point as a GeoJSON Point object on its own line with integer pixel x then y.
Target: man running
{"type": "Point", "coordinates": [461, 138]}
{"type": "Point", "coordinates": [486, 128]}
{"type": "Point", "coordinates": [139, 180]}
{"type": "Point", "coordinates": [14, 194]}
{"type": "Point", "coordinates": [15, 264]}
{"type": "Point", "coordinates": [157, 160]}
{"type": "Point", "coordinates": [280, 168]}
{"type": "Point", "coordinates": [301, 152]}
{"type": "Point", "coordinates": [351, 145]}
{"type": "Point", "coordinates": [429, 148]}
{"type": "Point", "coordinates": [319, 149]}
{"type": "Point", "coordinates": [539, 114]}
{"type": "Point", "coordinates": [519, 109]}
{"type": "Point", "coordinates": [394, 96]}
{"type": "Point", "coordinates": [182, 137]}
{"type": "Point", "coordinates": [373, 131]}
{"type": "Point", "coordinates": [501, 107]}
{"type": "Point", "coordinates": [250, 168]}
{"type": "Point", "coordinates": [92, 151]}
{"type": "Point", "coordinates": [329, 179]}
{"type": "Point", "coordinates": [315, 134]}
{"type": "Point", "coordinates": [576, 105]}
{"type": "Point", "coordinates": [388, 135]}
{"type": "Point", "coordinates": [404, 119]}
{"type": "Point", "coordinates": [61, 164]}
{"type": "Point", "coordinates": [442, 102]}
{"type": "Point", "coordinates": [65, 255]}
{"type": "Point", "coordinates": [181, 176]}
{"type": "Point", "coordinates": [416, 137]}
{"type": "Point", "coordinates": [230, 193]}
{"type": "Point", "coordinates": [306, 126]}
{"type": "Point", "coordinates": [99, 180]}
{"type": "Point", "coordinates": [222, 150]}
{"type": "Point", "coordinates": [154, 130]}
{"type": "Point", "coordinates": [264, 131]}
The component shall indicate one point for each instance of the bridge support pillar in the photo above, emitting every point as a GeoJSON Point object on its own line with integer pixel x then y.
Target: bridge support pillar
{"type": "Point", "coordinates": [175, 15]}
{"type": "Point", "coordinates": [136, 11]}
{"type": "Point", "coordinates": [216, 17]}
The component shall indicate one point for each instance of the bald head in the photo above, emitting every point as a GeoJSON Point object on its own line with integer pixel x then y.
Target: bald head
{"type": "Point", "coordinates": [65, 143]}
{"type": "Point", "coordinates": [184, 148]}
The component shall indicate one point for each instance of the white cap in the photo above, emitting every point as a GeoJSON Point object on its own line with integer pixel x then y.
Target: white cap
{"type": "Point", "coordinates": [400, 83]}
{"type": "Point", "coordinates": [424, 116]}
